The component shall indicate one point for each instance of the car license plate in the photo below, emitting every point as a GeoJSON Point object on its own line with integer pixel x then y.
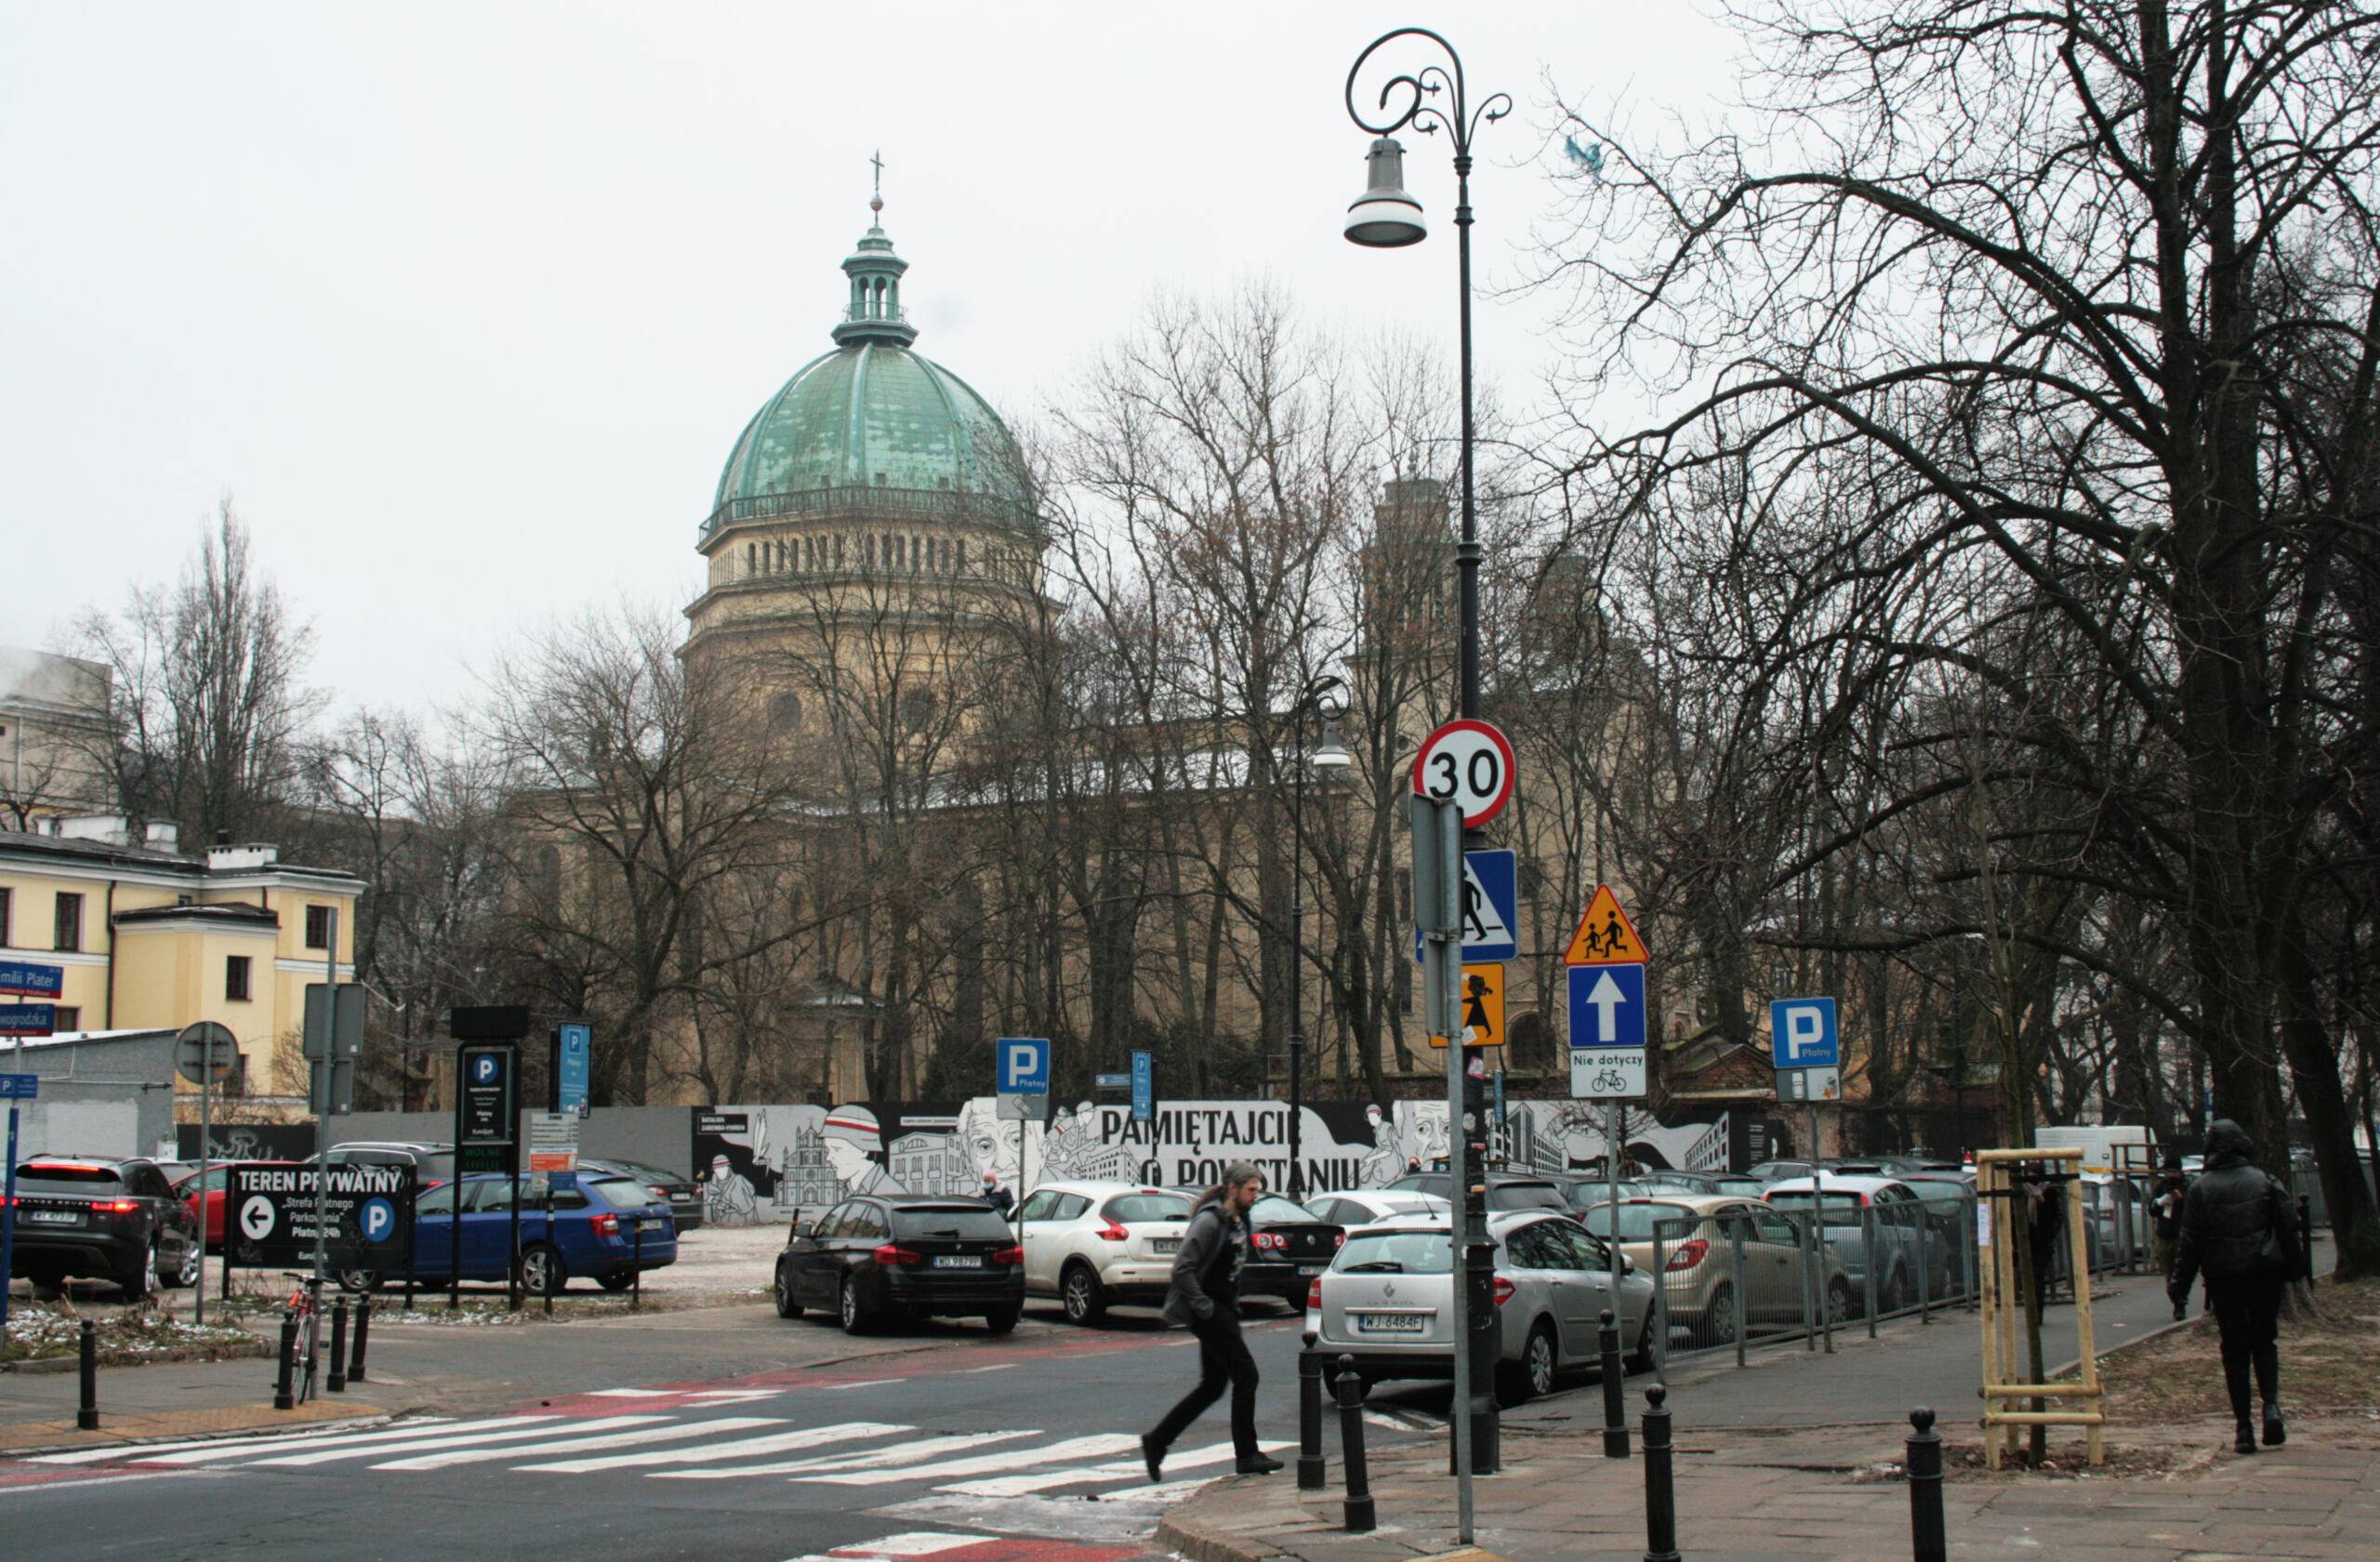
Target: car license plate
{"type": "Point", "coordinates": [1165, 1244]}
{"type": "Point", "coordinates": [1307, 1270]}
{"type": "Point", "coordinates": [1389, 1323]}
{"type": "Point", "coordinates": [959, 1260]}
{"type": "Point", "coordinates": [649, 1225]}
{"type": "Point", "coordinates": [55, 1217]}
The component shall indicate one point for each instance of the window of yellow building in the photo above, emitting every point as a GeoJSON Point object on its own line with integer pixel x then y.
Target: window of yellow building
{"type": "Point", "coordinates": [66, 932]}
{"type": "Point", "coordinates": [235, 979]}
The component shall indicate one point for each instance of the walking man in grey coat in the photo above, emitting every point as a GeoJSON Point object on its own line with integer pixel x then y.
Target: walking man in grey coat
{"type": "Point", "coordinates": [2238, 1227]}
{"type": "Point", "coordinates": [1205, 1296]}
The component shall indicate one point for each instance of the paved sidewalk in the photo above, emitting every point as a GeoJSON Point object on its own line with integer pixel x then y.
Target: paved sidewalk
{"type": "Point", "coordinates": [1794, 1459]}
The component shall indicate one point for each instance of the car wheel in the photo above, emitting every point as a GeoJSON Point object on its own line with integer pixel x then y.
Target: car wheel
{"type": "Point", "coordinates": [1838, 1301]}
{"type": "Point", "coordinates": [847, 1307]}
{"type": "Point", "coordinates": [1896, 1295]}
{"type": "Point", "coordinates": [621, 1279]}
{"type": "Point", "coordinates": [1532, 1377]}
{"type": "Point", "coordinates": [359, 1282]}
{"type": "Point", "coordinates": [543, 1272]}
{"type": "Point", "coordinates": [141, 1278]}
{"type": "Point", "coordinates": [1002, 1320]}
{"type": "Point", "coordinates": [1085, 1298]}
{"type": "Point", "coordinates": [1717, 1324]}
{"type": "Point", "coordinates": [186, 1275]}
{"type": "Point", "coordinates": [781, 1287]}
{"type": "Point", "coordinates": [1641, 1357]}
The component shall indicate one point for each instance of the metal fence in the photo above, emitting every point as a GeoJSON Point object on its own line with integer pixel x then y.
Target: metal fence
{"type": "Point", "coordinates": [1746, 1280]}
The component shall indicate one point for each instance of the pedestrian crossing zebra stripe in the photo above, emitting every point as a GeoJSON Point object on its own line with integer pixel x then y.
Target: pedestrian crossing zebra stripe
{"type": "Point", "coordinates": [408, 1445]}
{"type": "Point", "coordinates": [905, 1454]}
{"type": "Point", "coordinates": [124, 1452]}
{"type": "Point", "coordinates": [1098, 1446]}
{"type": "Point", "coordinates": [1019, 1486]}
{"type": "Point", "coordinates": [581, 1445]}
{"type": "Point", "coordinates": [742, 1448]}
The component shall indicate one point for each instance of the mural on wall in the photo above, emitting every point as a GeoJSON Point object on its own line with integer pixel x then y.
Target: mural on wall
{"type": "Point", "coordinates": [760, 1164]}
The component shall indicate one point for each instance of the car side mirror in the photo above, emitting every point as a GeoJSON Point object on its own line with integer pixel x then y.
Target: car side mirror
{"type": "Point", "coordinates": [1626, 1265]}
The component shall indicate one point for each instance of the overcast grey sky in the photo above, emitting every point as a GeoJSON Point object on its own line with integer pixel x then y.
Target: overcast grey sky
{"type": "Point", "coordinates": [464, 304]}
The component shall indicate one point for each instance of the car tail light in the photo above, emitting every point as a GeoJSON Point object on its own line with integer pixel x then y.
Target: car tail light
{"type": "Point", "coordinates": [1689, 1254]}
{"type": "Point", "coordinates": [891, 1255]}
{"type": "Point", "coordinates": [1504, 1290]}
{"type": "Point", "coordinates": [606, 1226]}
{"type": "Point", "coordinates": [660, 1193]}
{"type": "Point", "coordinates": [1339, 1239]}
{"type": "Point", "coordinates": [1008, 1255]}
{"type": "Point", "coordinates": [1313, 1296]}
{"type": "Point", "coordinates": [116, 1205]}
{"type": "Point", "coordinates": [1271, 1242]}
{"type": "Point", "coordinates": [1111, 1232]}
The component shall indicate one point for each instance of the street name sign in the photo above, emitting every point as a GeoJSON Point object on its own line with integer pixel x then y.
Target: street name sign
{"type": "Point", "coordinates": [28, 1019]}
{"type": "Point", "coordinates": [1467, 762]}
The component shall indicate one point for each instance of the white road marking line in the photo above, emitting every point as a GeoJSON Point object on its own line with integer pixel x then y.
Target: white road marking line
{"type": "Point", "coordinates": [127, 1454]}
{"type": "Point", "coordinates": [458, 1439]}
{"type": "Point", "coordinates": [907, 1453]}
{"type": "Point", "coordinates": [746, 1448]}
{"type": "Point", "coordinates": [359, 1443]}
{"type": "Point", "coordinates": [864, 1383]}
{"type": "Point", "coordinates": [1169, 1491]}
{"type": "Point", "coordinates": [1073, 1448]}
{"type": "Point", "coordinates": [581, 1445]}
{"type": "Point", "coordinates": [917, 1542]}
{"type": "Point", "coordinates": [631, 1393]}
{"type": "Point", "coordinates": [1018, 1486]}
{"type": "Point", "coordinates": [1003, 1367]}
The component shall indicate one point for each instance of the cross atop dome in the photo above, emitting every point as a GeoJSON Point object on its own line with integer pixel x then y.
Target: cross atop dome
{"type": "Point", "coordinates": [874, 315]}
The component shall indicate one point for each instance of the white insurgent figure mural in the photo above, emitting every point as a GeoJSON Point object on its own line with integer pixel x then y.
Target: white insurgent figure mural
{"type": "Point", "coordinates": [853, 1142]}
{"type": "Point", "coordinates": [728, 1198]}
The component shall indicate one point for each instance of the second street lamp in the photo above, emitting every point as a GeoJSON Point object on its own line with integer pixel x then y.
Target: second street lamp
{"type": "Point", "coordinates": [1327, 697]}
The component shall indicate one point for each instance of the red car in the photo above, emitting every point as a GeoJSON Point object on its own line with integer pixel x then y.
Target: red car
{"type": "Point", "coordinates": [219, 1177]}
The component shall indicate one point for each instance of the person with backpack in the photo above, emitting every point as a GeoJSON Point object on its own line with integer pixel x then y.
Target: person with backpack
{"type": "Point", "coordinates": [2237, 1225]}
{"type": "Point", "coordinates": [1204, 1296]}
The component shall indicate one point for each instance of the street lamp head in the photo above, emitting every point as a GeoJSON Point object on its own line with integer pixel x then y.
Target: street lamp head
{"type": "Point", "coordinates": [1385, 217]}
{"type": "Point", "coordinates": [1332, 756]}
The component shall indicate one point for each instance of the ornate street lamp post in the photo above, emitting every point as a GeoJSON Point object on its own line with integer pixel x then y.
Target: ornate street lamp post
{"type": "Point", "coordinates": [1386, 216]}
{"type": "Point", "coordinates": [1327, 697]}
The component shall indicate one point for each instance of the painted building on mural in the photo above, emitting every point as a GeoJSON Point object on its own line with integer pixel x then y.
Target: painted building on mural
{"type": "Point", "coordinates": [150, 938]}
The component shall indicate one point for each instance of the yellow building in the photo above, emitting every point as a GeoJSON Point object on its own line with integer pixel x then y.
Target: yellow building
{"type": "Point", "coordinates": [152, 938]}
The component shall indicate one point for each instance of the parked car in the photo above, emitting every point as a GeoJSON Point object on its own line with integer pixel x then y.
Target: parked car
{"type": "Point", "coordinates": [218, 1180]}
{"type": "Point", "coordinates": [1387, 1301]}
{"type": "Point", "coordinates": [879, 1257]}
{"type": "Point", "coordinates": [1676, 1180]}
{"type": "Point", "coordinates": [1370, 1207]}
{"type": "Point", "coordinates": [606, 1228]}
{"type": "Point", "coordinates": [103, 1218]}
{"type": "Point", "coordinates": [1780, 1170]}
{"type": "Point", "coordinates": [1581, 1192]}
{"type": "Point", "coordinates": [1742, 1186]}
{"type": "Point", "coordinates": [1697, 1268]}
{"type": "Point", "coordinates": [1094, 1244]}
{"type": "Point", "coordinates": [1506, 1190]}
{"type": "Point", "coordinates": [1948, 1199]}
{"type": "Point", "coordinates": [1898, 1213]}
{"type": "Point", "coordinates": [1288, 1245]}
{"type": "Point", "coordinates": [684, 1195]}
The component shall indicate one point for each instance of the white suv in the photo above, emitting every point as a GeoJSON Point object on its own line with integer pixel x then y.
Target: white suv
{"type": "Point", "coordinates": [1094, 1244]}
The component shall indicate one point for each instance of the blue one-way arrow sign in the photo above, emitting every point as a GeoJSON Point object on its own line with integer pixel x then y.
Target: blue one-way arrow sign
{"type": "Point", "coordinates": [1607, 1006]}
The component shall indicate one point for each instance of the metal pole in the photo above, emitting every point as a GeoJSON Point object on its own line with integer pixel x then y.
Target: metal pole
{"type": "Point", "coordinates": [1615, 1406]}
{"type": "Point", "coordinates": [8, 1210]}
{"type": "Point", "coordinates": [206, 1129]}
{"type": "Point", "coordinates": [1929, 1539]}
{"type": "Point", "coordinates": [1611, 1137]}
{"type": "Point", "coordinates": [1311, 1476]}
{"type": "Point", "coordinates": [1868, 1270]}
{"type": "Point", "coordinates": [1466, 558]}
{"type": "Point", "coordinates": [1297, 958]}
{"type": "Point", "coordinates": [1443, 949]}
{"type": "Point", "coordinates": [87, 1414]}
{"type": "Point", "coordinates": [323, 1117]}
{"type": "Point", "coordinates": [1735, 1246]}
{"type": "Point", "coordinates": [1661, 1488]}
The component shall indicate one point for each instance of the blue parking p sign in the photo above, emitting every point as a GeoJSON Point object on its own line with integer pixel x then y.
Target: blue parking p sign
{"type": "Point", "coordinates": [1024, 1067]}
{"type": "Point", "coordinates": [1801, 1033]}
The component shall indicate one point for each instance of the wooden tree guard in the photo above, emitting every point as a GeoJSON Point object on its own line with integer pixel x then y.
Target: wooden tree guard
{"type": "Point", "coordinates": [1998, 1187]}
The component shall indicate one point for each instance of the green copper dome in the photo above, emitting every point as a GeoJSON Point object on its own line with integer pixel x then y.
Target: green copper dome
{"type": "Point", "coordinates": [871, 413]}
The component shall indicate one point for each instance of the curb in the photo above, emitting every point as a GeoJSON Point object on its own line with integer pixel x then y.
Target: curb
{"type": "Point", "coordinates": [1199, 1545]}
{"type": "Point", "coordinates": [2121, 1346]}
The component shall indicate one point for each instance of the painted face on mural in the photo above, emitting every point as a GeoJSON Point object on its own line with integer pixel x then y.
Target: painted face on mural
{"type": "Point", "coordinates": [990, 1144]}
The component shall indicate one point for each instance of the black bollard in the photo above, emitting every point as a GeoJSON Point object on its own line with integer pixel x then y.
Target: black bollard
{"type": "Point", "coordinates": [1614, 1403]}
{"type": "Point", "coordinates": [1311, 1475]}
{"type": "Point", "coordinates": [87, 1415]}
{"type": "Point", "coordinates": [1359, 1506]}
{"type": "Point", "coordinates": [284, 1399]}
{"type": "Point", "coordinates": [1929, 1540]}
{"type": "Point", "coordinates": [1660, 1488]}
{"type": "Point", "coordinates": [2305, 1235]}
{"type": "Point", "coordinates": [362, 1327]}
{"type": "Point", "coordinates": [336, 1382]}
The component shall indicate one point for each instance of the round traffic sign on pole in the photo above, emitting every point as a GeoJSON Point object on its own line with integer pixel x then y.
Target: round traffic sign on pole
{"type": "Point", "coordinates": [206, 1051]}
{"type": "Point", "coordinates": [1468, 763]}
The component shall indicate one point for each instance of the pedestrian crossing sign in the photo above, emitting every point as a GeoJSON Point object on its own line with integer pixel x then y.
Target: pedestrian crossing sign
{"type": "Point", "coordinates": [1606, 937]}
{"type": "Point", "coordinates": [1483, 1007]}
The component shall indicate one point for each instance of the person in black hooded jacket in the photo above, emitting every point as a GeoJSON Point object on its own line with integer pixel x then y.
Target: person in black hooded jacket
{"type": "Point", "coordinates": [2238, 1229]}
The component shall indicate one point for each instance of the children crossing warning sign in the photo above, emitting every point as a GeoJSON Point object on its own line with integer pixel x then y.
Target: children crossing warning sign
{"type": "Point", "coordinates": [1483, 1007]}
{"type": "Point", "coordinates": [1606, 937]}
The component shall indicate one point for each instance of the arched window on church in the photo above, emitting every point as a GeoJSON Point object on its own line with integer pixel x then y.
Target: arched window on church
{"type": "Point", "coordinates": [962, 555]}
{"type": "Point", "coordinates": [916, 559]}
{"type": "Point", "coordinates": [917, 708]}
{"type": "Point", "coordinates": [839, 550]}
{"type": "Point", "coordinates": [750, 565]}
{"type": "Point", "coordinates": [784, 713]}
{"type": "Point", "coordinates": [867, 559]}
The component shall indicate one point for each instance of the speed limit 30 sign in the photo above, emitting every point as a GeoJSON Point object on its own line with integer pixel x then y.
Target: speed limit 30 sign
{"type": "Point", "coordinates": [1469, 762]}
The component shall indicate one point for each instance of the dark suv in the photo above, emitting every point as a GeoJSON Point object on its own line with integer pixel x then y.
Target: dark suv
{"type": "Point", "coordinates": [101, 1218]}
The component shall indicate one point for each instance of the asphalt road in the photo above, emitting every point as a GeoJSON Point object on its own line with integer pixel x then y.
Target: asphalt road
{"type": "Point", "coordinates": [711, 1434]}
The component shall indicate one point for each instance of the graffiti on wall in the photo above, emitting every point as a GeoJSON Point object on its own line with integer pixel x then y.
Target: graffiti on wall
{"type": "Point", "coordinates": [760, 1164]}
